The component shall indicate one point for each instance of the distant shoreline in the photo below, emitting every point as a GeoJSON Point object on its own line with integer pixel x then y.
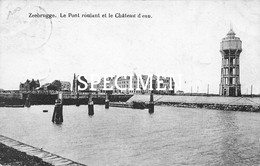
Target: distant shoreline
{"type": "Point", "coordinates": [217, 102]}
{"type": "Point", "coordinates": [247, 104]}
{"type": "Point", "coordinates": [224, 107]}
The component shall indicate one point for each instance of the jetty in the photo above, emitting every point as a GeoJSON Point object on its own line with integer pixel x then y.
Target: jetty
{"type": "Point", "coordinates": [28, 98]}
{"type": "Point", "coordinates": [25, 152]}
{"type": "Point", "coordinates": [210, 102]}
{"type": "Point", "coordinates": [135, 104]}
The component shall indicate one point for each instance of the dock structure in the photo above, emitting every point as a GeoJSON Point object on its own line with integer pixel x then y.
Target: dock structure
{"type": "Point", "coordinates": [90, 105]}
{"type": "Point", "coordinates": [151, 104]}
{"type": "Point", "coordinates": [47, 157]}
{"type": "Point", "coordinates": [77, 101]}
{"type": "Point", "coordinates": [121, 104]}
{"type": "Point", "coordinates": [57, 116]}
{"type": "Point", "coordinates": [107, 102]}
{"type": "Point", "coordinates": [27, 101]}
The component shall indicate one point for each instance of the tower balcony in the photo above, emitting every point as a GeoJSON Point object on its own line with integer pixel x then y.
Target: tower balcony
{"type": "Point", "coordinates": [230, 65]}
{"type": "Point", "coordinates": [230, 75]}
{"type": "Point", "coordinates": [231, 45]}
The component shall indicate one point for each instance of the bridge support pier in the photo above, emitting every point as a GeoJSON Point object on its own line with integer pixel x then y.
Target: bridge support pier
{"type": "Point", "coordinates": [90, 105]}
{"type": "Point", "coordinates": [27, 101]}
{"type": "Point", "coordinates": [77, 101]}
{"type": "Point", "coordinates": [57, 116]}
{"type": "Point", "coordinates": [151, 104]}
{"type": "Point", "coordinates": [107, 102]}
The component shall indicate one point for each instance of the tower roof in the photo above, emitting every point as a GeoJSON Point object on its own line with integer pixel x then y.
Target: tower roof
{"type": "Point", "coordinates": [231, 33]}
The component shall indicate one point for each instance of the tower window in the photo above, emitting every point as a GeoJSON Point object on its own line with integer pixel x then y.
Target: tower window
{"type": "Point", "coordinates": [231, 71]}
{"type": "Point", "coordinates": [237, 61]}
{"type": "Point", "coordinates": [231, 61]}
{"type": "Point", "coordinates": [231, 80]}
{"type": "Point", "coordinates": [226, 61]}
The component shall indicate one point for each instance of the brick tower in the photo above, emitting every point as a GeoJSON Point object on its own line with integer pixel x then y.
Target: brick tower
{"type": "Point", "coordinates": [230, 48]}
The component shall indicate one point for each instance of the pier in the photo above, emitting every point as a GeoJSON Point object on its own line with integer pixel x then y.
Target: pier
{"type": "Point", "coordinates": [12, 98]}
{"type": "Point", "coordinates": [40, 156]}
{"type": "Point", "coordinates": [212, 102]}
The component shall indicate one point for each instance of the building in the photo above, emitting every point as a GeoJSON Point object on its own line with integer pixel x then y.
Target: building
{"type": "Point", "coordinates": [230, 48]}
{"type": "Point", "coordinates": [166, 83]}
{"type": "Point", "coordinates": [56, 85]}
{"type": "Point", "coordinates": [45, 87]}
{"type": "Point", "coordinates": [65, 86]}
{"type": "Point", "coordinates": [131, 88]}
{"type": "Point", "coordinates": [109, 84]}
{"type": "Point", "coordinates": [76, 84]}
{"type": "Point", "coordinates": [29, 85]}
{"type": "Point", "coordinates": [180, 92]}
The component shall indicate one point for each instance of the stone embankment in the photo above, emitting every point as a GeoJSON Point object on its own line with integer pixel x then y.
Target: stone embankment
{"type": "Point", "coordinates": [15, 153]}
{"type": "Point", "coordinates": [211, 102]}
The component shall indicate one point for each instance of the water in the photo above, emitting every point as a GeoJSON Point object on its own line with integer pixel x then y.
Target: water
{"type": "Point", "coordinates": [121, 136]}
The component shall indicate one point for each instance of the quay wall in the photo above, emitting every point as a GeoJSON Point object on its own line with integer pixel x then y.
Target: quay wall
{"type": "Point", "coordinates": [198, 99]}
{"type": "Point", "coordinates": [212, 102]}
{"type": "Point", "coordinates": [49, 98]}
{"type": "Point", "coordinates": [9, 98]}
{"type": "Point", "coordinates": [18, 153]}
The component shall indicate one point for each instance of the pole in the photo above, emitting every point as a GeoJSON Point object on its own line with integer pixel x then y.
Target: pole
{"type": "Point", "coordinates": [77, 100]}
{"type": "Point", "coordinates": [151, 104]}
{"type": "Point", "coordinates": [208, 90]}
{"type": "Point", "coordinates": [90, 105]}
{"type": "Point", "coordinates": [27, 102]}
{"type": "Point", "coordinates": [57, 116]}
{"type": "Point", "coordinates": [107, 102]}
{"type": "Point", "coordinates": [251, 90]}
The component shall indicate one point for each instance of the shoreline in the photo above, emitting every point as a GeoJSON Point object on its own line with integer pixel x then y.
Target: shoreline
{"type": "Point", "coordinates": [245, 104]}
{"type": "Point", "coordinates": [218, 103]}
{"type": "Point", "coordinates": [13, 152]}
{"type": "Point", "coordinates": [11, 156]}
{"type": "Point", "coordinates": [224, 107]}
{"type": "Point", "coordinates": [47, 99]}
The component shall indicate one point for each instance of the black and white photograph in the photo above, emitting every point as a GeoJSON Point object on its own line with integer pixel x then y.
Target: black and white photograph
{"type": "Point", "coordinates": [130, 82]}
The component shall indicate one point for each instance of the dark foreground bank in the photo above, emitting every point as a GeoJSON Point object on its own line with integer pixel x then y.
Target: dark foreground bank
{"type": "Point", "coordinates": [11, 156]}
{"type": "Point", "coordinates": [13, 152]}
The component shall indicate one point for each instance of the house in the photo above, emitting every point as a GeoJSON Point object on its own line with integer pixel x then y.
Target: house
{"type": "Point", "coordinates": [29, 85]}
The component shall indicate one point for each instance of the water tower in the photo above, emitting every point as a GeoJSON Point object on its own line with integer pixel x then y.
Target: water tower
{"type": "Point", "coordinates": [230, 48]}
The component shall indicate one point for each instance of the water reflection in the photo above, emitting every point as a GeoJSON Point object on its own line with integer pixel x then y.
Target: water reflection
{"type": "Point", "coordinates": [57, 125]}
{"type": "Point", "coordinates": [229, 135]}
{"type": "Point", "coordinates": [233, 145]}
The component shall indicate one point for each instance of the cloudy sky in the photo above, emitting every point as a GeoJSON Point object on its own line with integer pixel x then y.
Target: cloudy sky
{"type": "Point", "coordinates": [181, 39]}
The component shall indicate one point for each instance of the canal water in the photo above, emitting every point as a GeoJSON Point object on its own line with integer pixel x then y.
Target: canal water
{"type": "Point", "coordinates": [122, 136]}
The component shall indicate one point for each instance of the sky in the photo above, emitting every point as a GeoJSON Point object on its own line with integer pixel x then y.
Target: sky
{"type": "Point", "coordinates": [182, 39]}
